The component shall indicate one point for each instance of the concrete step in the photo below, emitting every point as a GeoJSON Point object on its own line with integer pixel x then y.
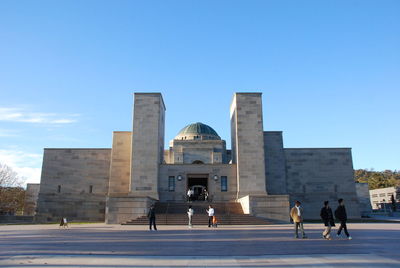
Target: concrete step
{"type": "Point", "coordinates": [179, 219]}
{"type": "Point", "coordinates": [198, 207]}
{"type": "Point", "coordinates": [175, 213]}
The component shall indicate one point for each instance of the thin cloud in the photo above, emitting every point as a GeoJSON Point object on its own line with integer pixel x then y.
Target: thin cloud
{"type": "Point", "coordinates": [8, 133]}
{"type": "Point", "coordinates": [24, 116]}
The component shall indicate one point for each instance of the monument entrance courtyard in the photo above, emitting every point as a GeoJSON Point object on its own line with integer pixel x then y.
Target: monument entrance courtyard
{"type": "Point", "coordinates": [105, 245]}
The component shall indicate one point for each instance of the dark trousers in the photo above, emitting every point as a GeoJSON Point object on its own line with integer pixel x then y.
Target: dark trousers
{"type": "Point", "coordinates": [210, 221]}
{"type": "Point", "coordinates": [152, 222]}
{"type": "Point", "coordinates": [343, 227]}
{"type": "Point", "coordinates": [298, 225]}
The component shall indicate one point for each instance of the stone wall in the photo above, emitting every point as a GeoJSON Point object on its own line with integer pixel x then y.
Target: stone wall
{"type": "Point", "coordinates": [316, 175]}
{"type": "Point", "coordinates": [120, 169]}
{"type": "Point", "coordinates": [123, 208]}
{"type": "Point", "coordinates": [74, 184]}
{"type": "Point", "coordinates": [363, 198]}
{"type": "Point", "coordinates": [275, 163]}
{"type": "Point", "coordinates": [272, 207]}
{"type": "Point", "coordinates": [207, 151]}
{"type": "Point", "coordinates": [248, 143]}
{"type": "Point", "coordinates": [147, 143]}
{"type": "Point", "coordinates": [31, 196]}
{"type": "Point", "coordinates": [185, 171]}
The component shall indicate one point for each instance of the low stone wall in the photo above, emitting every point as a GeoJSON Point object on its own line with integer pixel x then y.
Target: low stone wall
{"type": "Point", "coordinates": [84, 207]}
{"type": "Point", "coordinates": [121, 209]}
{"type": "Point", "coordinates": [16, 219]}
{"type": "Point", "coordinates": [272, 207]}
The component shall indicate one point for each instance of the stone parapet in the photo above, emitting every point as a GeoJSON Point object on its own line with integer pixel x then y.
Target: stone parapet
{"type": "Point", "coordinates": [272, 207]}
{"type": "Point", "coordinates": [120, 209]}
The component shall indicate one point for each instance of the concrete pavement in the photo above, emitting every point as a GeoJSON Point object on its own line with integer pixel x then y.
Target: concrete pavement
{"type": "Point", "coordinates": [101, 245]}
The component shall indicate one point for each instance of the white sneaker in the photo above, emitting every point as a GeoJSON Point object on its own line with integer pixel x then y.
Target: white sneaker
{"type": "Point", "coordinates": [349, 238]}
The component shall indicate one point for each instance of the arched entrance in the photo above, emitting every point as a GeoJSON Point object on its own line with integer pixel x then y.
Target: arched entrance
{"type": "Point", "coordinates": [199, 184]}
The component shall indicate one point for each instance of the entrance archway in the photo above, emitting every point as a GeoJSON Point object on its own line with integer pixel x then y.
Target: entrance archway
{"type": "Point", "coordinates": [199, 185]}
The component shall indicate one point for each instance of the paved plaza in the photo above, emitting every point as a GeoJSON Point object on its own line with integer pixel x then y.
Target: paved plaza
{"type": "Point", "coordinates": [101, 245]}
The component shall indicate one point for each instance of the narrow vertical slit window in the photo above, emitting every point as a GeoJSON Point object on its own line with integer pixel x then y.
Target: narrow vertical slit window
{"type": "Point", "coordinates": [91, 189]}
{"type": "Point", "coordinates": [224, 183]}
{"type": "Point", "coordinates": [171, 184]}
{"type": "Point", "coordinates": [59, 189]}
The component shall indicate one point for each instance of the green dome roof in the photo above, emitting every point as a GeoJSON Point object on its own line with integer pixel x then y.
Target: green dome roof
{"type": "Point", "coordinates": [198, 130]}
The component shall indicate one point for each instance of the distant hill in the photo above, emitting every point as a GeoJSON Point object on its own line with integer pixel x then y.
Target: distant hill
{"type": "Point", "coordinates": [377, 179]}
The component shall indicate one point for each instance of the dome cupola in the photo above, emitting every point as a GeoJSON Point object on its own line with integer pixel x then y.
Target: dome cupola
{"type": "Point", "coordinates": [197, 131]}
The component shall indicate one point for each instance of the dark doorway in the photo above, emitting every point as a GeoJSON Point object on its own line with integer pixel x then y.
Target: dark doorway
{"type": "Point", "coordinates": [199, 187]}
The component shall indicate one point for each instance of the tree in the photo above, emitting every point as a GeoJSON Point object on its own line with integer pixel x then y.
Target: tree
{"type": "Point", "coordinates": [377, 179]}
{"type": "Point", "coordinates": [8, 177]}
{"type": "Point", "coordinates": [12, 195]}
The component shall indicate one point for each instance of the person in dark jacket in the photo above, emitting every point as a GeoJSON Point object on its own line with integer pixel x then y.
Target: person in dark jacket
{"type": "Point", "coordinates": [341, 215]}
{"type": "Point", "coordinates": [327, 217]}
{"type": "Point", "coordinates": [152, 217]}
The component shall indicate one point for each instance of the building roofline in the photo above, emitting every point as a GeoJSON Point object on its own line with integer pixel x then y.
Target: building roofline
{"type": "Point", "coordinates": [258, 93]}
{"type": "Point", "coordinates": [76, 148]}
{"type": "Point", "coordinates": [319, 148]}
{"type": "Point", "coordinates": [152, 93]}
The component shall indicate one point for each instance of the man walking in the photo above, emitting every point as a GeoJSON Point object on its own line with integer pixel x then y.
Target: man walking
{"type": "Point", "coordinates": [327, 217]}
{"type": "Point", "coordinates": [210, 212]}
{"type": "Point", "coordinates": [189, 195]}
{"type": "Point", "coordinates": [296, 213]}
{"type": "Point", "coordinates": [190, 213]}
{"type": "Point", "coordinates": [341, 215]}
{"type": "Point", "coordinates": [152, 217]}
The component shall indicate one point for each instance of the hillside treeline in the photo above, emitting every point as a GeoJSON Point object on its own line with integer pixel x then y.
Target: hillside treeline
{"type": "Point", "coordinates": [378, 179]}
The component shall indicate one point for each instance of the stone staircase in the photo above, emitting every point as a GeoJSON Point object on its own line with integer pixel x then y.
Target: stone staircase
{"type": "Point", "coordinates": [228, 213]}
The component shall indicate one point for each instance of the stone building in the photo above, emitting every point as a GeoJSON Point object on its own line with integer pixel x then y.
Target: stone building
{"type": "Point", "coordinates": [382, 196]}
{"type": "Point", "coordinates": [31, 197]}
{"type": "Point", "coordinates": [119, 184]}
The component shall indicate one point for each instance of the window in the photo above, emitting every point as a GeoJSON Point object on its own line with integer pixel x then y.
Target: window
{"type": "Point", "coordinates": [59, 189]}
{"type": "Point", "coordinates": [91, 189]}
{"type": "Point", "coordinates": [382, 195]}
{"type": "Point", "coordinates": [171, 184]}
{"type": "Point", "coordinates": [375, 195]}
{"type": "Point", "coordinates": [224, 183]}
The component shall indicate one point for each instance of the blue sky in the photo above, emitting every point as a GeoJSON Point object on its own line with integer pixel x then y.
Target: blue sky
{"type": "Point", "coordinates": [329, 72]}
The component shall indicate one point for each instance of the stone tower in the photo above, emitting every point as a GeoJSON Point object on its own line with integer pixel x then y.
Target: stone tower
{"type": "Point", "coordinates": [147, 143]}
{"type": "Point", "coordinates": [248, 143]}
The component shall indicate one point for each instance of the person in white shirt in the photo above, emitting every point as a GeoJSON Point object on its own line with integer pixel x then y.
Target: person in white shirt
{"type": "Point", "coordinates": [190, 213]}
{"type": "Point", "coordinates": [189, 195]}
{"type": "Point", "coordinates": [210, 212]}
{"type": "Point", "coordinates": [296, 214]}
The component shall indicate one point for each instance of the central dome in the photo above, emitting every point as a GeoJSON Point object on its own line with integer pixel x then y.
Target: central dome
{"type": "Point", "coordinates": [197, 131]}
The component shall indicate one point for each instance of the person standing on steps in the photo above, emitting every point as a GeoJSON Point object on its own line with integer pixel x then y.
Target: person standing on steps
{"type": "Point", "coordinates": [205, 193]}
{"type": "Point", "coordinates": [210, 212]}
{"type": "Point", "coordinates": [152, 217]}
{"type": "Point", "coordinates": [189, 195]}
{"type": "Point", "coordinates": [341, 215]}
{"type": "Point", "coordinates": [327, 218]}
{"type": "Point", "coordinates": [296, 213]}
{"type": "Point", "coordinates": [190, 213]}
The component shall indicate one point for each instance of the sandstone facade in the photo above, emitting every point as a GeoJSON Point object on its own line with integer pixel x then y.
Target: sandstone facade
{"type": "Point", "coordinates": [119, 184]}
